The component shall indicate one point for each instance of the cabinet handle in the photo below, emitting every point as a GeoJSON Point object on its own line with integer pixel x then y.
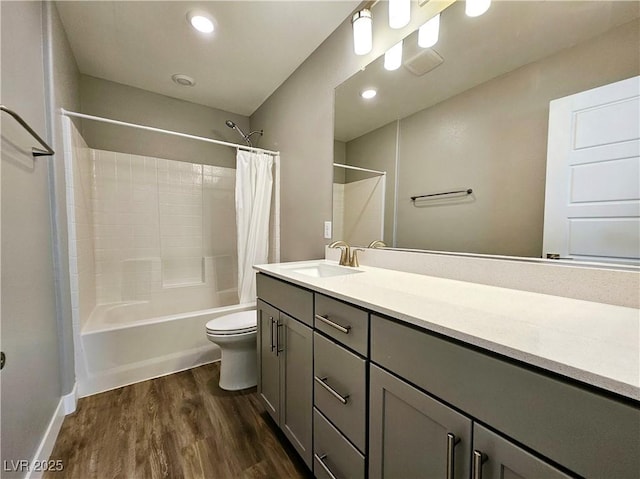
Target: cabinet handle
{"type": "Point", "coordinates": [325, 319]}
{"type": "Point", "coordinates": [273, 346]}
{"type": "Point", "coordinates": [278, 326]}
{"type": "Point", "coordinates": [321, 459]}
{"type": "Point", "coordinates": [334, 393]}
{"type": "Point", "coordinates": [479, 458]}
{"type": "Point", "coordinates": [452, 440]}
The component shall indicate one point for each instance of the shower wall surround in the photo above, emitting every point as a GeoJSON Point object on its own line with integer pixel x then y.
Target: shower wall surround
{"type": "Point", "coordinates": [150, 229]}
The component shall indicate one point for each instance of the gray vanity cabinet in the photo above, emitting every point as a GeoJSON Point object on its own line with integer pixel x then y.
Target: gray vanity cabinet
{"type": "Point", "coordinates": [285, 360]}
{"type": "Point", "coordinates": [496, 458]}
{"type": "Point", "coordinates": [412, 435]}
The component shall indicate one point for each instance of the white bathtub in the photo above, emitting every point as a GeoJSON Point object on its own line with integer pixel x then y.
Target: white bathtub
{"type": "Point", "coordinates": [121, 345]}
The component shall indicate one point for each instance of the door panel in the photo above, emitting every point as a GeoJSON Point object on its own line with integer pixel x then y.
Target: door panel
{"type": "Point", "coordinates": [268, 361]}
{"type": "Point", "coordinates": [592, 198]}
{"type": "Point", "coordinates": [296, 346]}
{"type": "Point", "coordinates": [408, 432]}
{"type": "Point", "coordinates": [505, 460]}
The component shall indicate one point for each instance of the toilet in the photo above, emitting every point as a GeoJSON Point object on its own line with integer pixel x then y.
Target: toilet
{"type": "Point", "coordinates": [235, 334]}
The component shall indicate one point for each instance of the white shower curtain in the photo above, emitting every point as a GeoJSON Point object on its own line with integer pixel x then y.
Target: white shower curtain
{"type": "Point", "coordinates": [254, 180]}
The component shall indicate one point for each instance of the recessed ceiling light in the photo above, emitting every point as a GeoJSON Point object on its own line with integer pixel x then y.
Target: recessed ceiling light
{"type": "Point", "coordinates": [368, 93]}
{"type": "Point", "coordinates": [183, 80]}
{"type": "Point", "coordinates": [200, 22]}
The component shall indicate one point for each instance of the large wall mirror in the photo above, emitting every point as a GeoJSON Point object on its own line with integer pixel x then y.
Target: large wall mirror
{"type": "Point", "coordinates": [464, 125]}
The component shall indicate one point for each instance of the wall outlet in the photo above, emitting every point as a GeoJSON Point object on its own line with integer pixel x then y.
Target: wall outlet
{"type": "Point", "coordinates": [327, 230]}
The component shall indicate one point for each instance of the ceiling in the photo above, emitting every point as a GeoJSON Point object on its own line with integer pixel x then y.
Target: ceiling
{"type": "Point", "coordinates": [511, 34]}
{"type": "Point", "coordinates": [256, 45]}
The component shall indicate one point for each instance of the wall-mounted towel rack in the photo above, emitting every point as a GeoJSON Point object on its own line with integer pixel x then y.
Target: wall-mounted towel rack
{"type": "Point", "coordinates": [48, 151]}
{"type": "Point", "coordinates": [468, 191]}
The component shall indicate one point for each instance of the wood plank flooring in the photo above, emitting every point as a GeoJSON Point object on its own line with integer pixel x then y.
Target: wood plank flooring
{"type": "Point", "coordinates": [177, 426]}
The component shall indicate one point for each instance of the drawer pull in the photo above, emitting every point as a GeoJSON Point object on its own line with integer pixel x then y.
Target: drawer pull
{"type": "Point", "coordinates": [478, 459]}
{"type": "Point", "coordinates": [273, 346]}
{"type": "Point", "coordinates": [325, 319]}
{"type": "Point", "coordinates": [452, 440]}
{"type": "Point", "coordinates": [321, 459]}
{"type": "Point", "coordinates": [334, 393]}
{"type": "Point", "coordinates": [278, 326]}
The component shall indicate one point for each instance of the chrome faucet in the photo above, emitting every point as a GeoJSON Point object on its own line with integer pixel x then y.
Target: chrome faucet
{"type": "Point", "coordinates": [377, 244]}
{"type": "Point", "coordinates": [345, 255]}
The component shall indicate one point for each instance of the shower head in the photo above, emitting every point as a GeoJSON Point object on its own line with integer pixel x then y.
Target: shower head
{"type": "Point", "coordinates": [246, 138]}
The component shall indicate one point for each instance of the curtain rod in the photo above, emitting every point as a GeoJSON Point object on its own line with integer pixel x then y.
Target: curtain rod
{"type": "Point", "coordinates": [357, 168]}
{"type": "Point", "coordinates": [168, 132]}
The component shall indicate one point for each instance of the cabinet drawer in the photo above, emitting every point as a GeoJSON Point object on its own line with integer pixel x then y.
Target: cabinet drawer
{"type": "Point", "coordinates": [294, 301]}
{"type": "Point", "coordinates": [340, 388]}
{"type": "Point", "coordinates": [538, 410]}
{"type": "Point", "coordinates": [346, 324]}
{"type": "Point", "coordinates": [332, 453]}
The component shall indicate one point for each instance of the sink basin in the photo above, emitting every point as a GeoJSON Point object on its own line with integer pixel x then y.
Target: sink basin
{"type": "Point", "coordinates": [323, 270]}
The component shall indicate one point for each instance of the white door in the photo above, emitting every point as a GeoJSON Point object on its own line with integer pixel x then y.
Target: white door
{"type": "Point", "coordinates": [592, 198]}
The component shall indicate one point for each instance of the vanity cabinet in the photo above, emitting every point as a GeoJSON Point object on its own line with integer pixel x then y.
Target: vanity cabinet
{"type": "Point", "coordinates": [285, 361]}
{"type": "Point", "coordinates": [364, 395]}
{"type": "Point", "coordinates": [588, 433]}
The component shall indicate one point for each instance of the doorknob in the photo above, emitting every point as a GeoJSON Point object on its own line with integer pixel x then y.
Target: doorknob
{"type": "Point", "coordinates": [3, 359]}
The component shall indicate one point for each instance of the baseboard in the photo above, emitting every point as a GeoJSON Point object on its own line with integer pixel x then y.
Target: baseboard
{"type": "Point", "coordinates": [70, 400]}
{"type": "Point", "coordinates": [48, 441]}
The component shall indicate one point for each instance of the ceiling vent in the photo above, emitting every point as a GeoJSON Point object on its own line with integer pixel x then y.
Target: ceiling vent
{"type": "Point", "coordinates": [423, 62]}
{"type": "Point", "coordinates": [183, 80]}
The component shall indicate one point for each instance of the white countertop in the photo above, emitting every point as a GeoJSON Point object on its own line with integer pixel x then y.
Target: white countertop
{"type": "Point", "coordinates": [595, 343]}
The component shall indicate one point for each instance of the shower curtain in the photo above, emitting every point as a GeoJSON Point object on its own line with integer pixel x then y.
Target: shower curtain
{"type": "Point", "coordinates": [254, 181]}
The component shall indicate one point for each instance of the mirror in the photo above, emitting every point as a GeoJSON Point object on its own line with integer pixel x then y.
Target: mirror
{"type": "Point", "coordinates": [471, 115]}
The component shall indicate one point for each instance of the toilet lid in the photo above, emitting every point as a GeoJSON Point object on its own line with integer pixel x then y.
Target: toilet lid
{"type": "Point", "coordinates": [235, 323]}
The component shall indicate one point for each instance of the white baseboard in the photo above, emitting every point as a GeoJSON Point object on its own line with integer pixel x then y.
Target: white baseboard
{"type": "Point", "coordinates": [70, 400]}
{"type": "Point", "coordinates": [48, 441]}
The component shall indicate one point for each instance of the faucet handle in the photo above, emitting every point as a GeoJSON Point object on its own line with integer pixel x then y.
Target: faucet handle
{"type": "Point", "coordinates": [354, 257]}
{"type": "Point", "coordinates": [345, 256]}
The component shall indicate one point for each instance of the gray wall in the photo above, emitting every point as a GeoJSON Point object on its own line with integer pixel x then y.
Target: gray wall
{"type": "Point", "coordinates": [493, 138]}
{"type": "Point", "coordinates": [31, 378]}
{"type": "Point", "coordinates": [125, 103]}
{"type": "Point", "coordinates": [298, 120]}
{"type": "Point", "coordinates": [377, 150]}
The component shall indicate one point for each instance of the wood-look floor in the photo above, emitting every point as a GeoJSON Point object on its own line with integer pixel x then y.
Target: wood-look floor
{"type": "Point", "coordinates": [177, 426]}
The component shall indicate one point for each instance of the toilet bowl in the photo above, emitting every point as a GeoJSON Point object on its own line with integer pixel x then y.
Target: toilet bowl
{"type": "Point", "coordinates": [235, 334]}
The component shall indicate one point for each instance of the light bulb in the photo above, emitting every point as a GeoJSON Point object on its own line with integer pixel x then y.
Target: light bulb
{"type": "Point", "coordinates": [399, 13]}
{"type": "Point", "coordinates": [368, 94]}
{"type": "Point", "coordinates": [200, 22]}
{"type": "Point", "coordinates": [393, 57]}
{"type": "Point", "coordinates": [475, 8]}
{"type": "Point", "coordinates": [428, 33]}
{"type": "Point", "coordinates": [362, 32]}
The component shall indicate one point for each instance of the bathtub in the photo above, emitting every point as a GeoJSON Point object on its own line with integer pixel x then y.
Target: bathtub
{"type": "Point", "coordinates": [122, 345]}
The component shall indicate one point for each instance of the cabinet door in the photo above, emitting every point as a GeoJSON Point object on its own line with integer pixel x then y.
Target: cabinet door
{"type": "Point", "coordinates": [412, 435]}
{"type": "Point", "coordinates": [295, 342]}
{"type": "Point", "coordinates": [268, 360]}
{"type": "Point", "coordinates": [496, 458]}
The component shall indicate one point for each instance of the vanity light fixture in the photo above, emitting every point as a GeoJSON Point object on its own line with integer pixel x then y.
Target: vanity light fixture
{"type": "Point", "coordinates": [399, 13]}
{"type": "Point", "coordinates": [429, 32]}
{"type": "Point", "coordinates": [393, 57]}
{"type": "Point", "coordinates": [200, 22]}
{"type": "Point", "coordinates": [362, 32]}
{"type": "Point", "coordinates": [368, 94]}
{"type": "Point", "coordinates": [475, 8]}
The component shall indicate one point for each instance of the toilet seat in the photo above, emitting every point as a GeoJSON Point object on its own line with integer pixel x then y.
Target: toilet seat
{"type": "Point", "coordinates": [233, 324]}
